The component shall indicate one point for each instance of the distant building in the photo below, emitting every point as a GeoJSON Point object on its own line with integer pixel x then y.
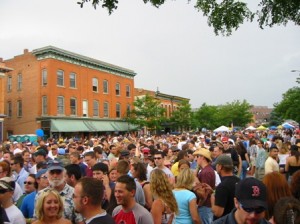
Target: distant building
{"type": "Point", "coordinates": [3, 71]}
{"type": "Point", "coordinates": [261, 115]}
{"type": "Point", "coordinates": [65, 93]}
{"type": "Point", "coordinates": [169, 102]}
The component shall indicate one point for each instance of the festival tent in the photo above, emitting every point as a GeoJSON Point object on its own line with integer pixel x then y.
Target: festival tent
{"type": "Point", "coordinates": [273, 128]}
{"type": "Point", "coordinates": [261, 128]}
{"type": "Point", "coordinates": [287, 126]}
{"type": "Point", "coordinates": [221, 129]}
{"type": "Point", "coordinates": [251, 128]}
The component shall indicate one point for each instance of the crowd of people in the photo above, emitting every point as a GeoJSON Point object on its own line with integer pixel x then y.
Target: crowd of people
{"type": "Point", "coordinates": [235, 177]}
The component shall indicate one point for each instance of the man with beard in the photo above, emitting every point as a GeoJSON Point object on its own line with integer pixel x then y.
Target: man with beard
{"type": "Point", "coordinates": [56, 176]}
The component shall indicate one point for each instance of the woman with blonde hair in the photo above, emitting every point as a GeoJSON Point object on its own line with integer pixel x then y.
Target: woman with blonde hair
{"type": "Point", "coordinates": [186, 199]}
{"type": "Point", "coordinates": [164, 205]}
{"type": "Point", "coordinates": [49, 208]}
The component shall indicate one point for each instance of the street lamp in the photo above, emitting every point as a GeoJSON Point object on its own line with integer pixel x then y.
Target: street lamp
{"type": "Point", "coordinates": [298, 79]}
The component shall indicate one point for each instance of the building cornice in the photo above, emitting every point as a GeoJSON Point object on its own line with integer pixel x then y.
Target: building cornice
{"type": "Point", "coordinates": [70, 57]}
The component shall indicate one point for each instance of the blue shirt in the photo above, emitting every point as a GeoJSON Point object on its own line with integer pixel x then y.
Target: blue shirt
{"type": "Point", "coordinates": [27, 206]}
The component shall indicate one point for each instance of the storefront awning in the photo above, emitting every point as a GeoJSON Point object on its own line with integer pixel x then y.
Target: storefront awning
{"type": "Point", "coordinates": [66, 125]}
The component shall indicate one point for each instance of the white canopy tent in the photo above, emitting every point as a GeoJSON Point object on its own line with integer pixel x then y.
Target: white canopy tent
{"type": "Point", "coordinates": [221, 129]}
{"type": "Point", "coordinates": [250, 128]}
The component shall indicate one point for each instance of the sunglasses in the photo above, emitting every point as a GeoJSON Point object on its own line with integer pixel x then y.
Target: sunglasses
{"type": "Point", "coordinates": [3, 191]}
{"type": "Point", "coordinates": [28, 182]}
{"type": "Point", "coordinates": [251, 210]}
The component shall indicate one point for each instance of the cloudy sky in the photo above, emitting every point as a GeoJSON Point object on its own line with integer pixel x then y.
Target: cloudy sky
{"type": "Point", "coordinates": [170, 48]}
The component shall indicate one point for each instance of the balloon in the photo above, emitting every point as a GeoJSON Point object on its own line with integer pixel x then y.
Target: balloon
{"type": "Point", "coordinates": [39, 132]}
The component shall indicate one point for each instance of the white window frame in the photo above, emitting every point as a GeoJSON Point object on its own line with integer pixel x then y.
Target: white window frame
{"type": "Point", "coordinates": [72, 80]}
{"type": "Point", "coordinates": [60, 78]}
{"type": "Point", "coordinates": [73, 108]}
{"type": "Point", "coordinates": [61, 105]}
{"type": "Point", "coordinates": [95, 85]}
{"type": "Point", "coordinates": [44, 105]}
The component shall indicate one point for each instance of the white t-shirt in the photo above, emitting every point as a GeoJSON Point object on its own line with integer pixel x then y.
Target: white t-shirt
{"type": "Point", "coordinates": [14, 215]}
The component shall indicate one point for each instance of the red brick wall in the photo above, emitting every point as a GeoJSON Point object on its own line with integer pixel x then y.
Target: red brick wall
{"type": "Point", "coordinates": [32, 91]}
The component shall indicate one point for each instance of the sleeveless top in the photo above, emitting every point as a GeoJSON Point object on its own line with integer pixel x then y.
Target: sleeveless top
{"type": "Point", "coordinates": [293, 169]}
{"type": "Point", "coordinates": [165, 216]}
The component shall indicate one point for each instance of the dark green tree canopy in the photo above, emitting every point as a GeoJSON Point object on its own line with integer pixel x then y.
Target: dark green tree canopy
{"type": "Point", "coordinates": [289, 107]}
{"type": "Point", "coordinates": [181, 117]}
{"type": "Point", "coordinates": [227, 15]}
{"type": "Point", "coordinates": [236, 113]}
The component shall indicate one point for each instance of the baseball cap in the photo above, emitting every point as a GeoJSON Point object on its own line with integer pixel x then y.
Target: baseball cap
{"type": "Point", "coordinates": [55, 165]}
{"type": "Point", "coordinates": [7, 183]}
{"type": "Point", "coordinates": [40, 173]}
{"type": "Point", "coordinates": [224, 160]}
{"type": "Point", "coordinates": [251, 193]}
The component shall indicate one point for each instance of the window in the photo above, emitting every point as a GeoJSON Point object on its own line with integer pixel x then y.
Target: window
{"type": "Point", "coordinates": [95, 108]}
{"type": "Point", "coordinates": [118, 89]}
{"type": "Point", "coordinates": [9, 83]}
{"type": "Point", "coordinates": [73, 106]}
{"type": "Point", "coordinates": [95, 85]}
{"type": "Point", "coordinates": [118, 110]}
{"type": "Point", "coordinates": [105, 109]}
{"type": "Point", "coordinates": [60, 78]}
{"type": "Point", "coordinates": [44, 77]}
{"type": "Point", "coordinates": [19, 81]}
{"type": "Point", "coordinates": [105, 86]}
{"type": "Point", "coordinates": [60, 105]}
{"type": "Point", "coordinates": [44, 105]}
{"type": "Point", "coordinates": [127, 91]}
{"type": "Point", "coordinates": [19, 108]}
{"type": "Point", "coordinates": [85, 108]}
{"type": "Point", "coordinates": [72, 80]}
{"type": "Point", "coordinates": [9, 109]}
{"type": "Point", "coordinates": [128, 108]}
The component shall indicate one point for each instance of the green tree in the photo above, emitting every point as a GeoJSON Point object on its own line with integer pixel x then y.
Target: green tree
{"type": "Point", "coordinates": [289, 107]}
{"type": "Point", "coordinates": [227, 15]}
{"type": "Point", "coordinates": [206, 116]}
{"type": "Point", "coordinates": [147, 112]}
{"type": "Point", "coordinates": [182, 116]}
{"type": "Point", "coordinates": [236, 112]}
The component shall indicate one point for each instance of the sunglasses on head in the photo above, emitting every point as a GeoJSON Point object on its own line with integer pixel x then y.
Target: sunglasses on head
{"type": "Point", "coordinates": [251, 210]}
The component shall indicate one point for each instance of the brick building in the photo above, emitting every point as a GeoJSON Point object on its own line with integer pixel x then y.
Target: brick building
{"type": "Point", "coordinates": [261, 115]}
{"type": "Point", "coordinates": [169, 102]}
{"type": "Point", "coordinates": [65, 94]}
{"type": "Point", "coordinates": [3, 71]}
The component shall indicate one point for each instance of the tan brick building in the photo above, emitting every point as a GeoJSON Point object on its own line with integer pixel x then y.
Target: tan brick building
{"type": "Point", "coordinates": [169, 102]}
{"type": "Point", "coordinates": [3, 71]}
{"type": "Point", "coordinates": [65, 93]}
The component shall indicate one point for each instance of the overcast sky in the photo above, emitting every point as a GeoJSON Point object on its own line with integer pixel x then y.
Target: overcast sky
{"type": "Point", "coordinates": [170, 48]}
